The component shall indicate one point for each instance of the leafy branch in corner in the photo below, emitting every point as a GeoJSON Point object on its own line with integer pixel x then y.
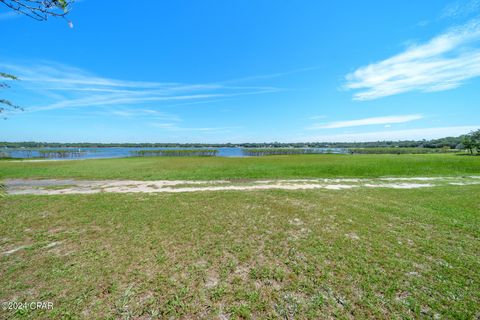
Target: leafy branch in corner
{"type": "Point", "coordinates": [40, 10]}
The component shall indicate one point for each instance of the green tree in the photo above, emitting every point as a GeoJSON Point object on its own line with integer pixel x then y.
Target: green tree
{"type": "Point", "coordinates": [476, 139]}
{"type": "Point", "coordinates": [471, 141]}
{"type": "Point", "coordinates": [468, 143]}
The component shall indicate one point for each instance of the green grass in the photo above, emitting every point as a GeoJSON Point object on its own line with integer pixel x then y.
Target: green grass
{"type": "Point", "coordinates": [283, 167]}
{"type": "Point", "coordinates": [355, 254]}
{"type": "Point", "coordinates": [351, 254]}
{"type": "Point", "coordinates": [377, 150]}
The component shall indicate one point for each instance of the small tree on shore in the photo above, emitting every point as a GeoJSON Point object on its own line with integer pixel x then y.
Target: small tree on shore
{"type": "Point", "coordinates": [471, 141]}
{"type": "Point", "coordinates": [476, 139]}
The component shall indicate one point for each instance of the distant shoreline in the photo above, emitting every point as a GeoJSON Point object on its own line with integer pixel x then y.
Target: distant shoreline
{"type": "Point", "coordinates": [451, 142]}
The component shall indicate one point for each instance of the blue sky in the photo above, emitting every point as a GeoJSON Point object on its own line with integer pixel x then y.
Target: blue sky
{"type": "Point", "coordinates": [244, 71]}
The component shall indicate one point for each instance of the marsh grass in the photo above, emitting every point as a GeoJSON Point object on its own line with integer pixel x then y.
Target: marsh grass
{"type": "Point", "coordinates": [4, 155]}
{"type": "Point", "coordinates": [283, 151]}
{"type": "Point", "coordinates": [176, 153]}
{"type": "Point", "coordinates": [60, 153]}
{"type": "Point", "coordinates": [402, 150]}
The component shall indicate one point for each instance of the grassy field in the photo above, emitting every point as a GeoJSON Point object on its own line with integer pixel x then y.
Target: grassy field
{"type": "Point", "coordinates": [282, 167]}
{"type": "Point", "coordinates": [364, 253]}
{"type": "Point", "coordinates": [270, 254]}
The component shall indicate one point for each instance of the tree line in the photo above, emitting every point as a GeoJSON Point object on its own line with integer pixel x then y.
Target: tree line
{"type": "Point", "coordinates": [469, 141]}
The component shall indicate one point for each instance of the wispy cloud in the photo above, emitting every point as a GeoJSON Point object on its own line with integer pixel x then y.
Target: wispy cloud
{"type": "Point", "coordinates": [137, 113]}
{"type": "Point", "coordinates": [317, 117]}
{"type": "Point", "coordinates": [175, 127]}
{"type": "Point", "coordinates": [70, 87]}
{"type": "Point", "coordinates": [271, 75]}
{"type": "Point", "coordinates": [460, 9]}
{"type": "Point", "coordinates": [394, 135]}
{"type": "Point", "coordinates": [368, 121]}
{"type": "Point", "coordinates": [445, 62]}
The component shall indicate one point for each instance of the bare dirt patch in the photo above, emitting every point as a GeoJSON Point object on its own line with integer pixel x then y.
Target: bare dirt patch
{"type": "Point", "coordinates": [55, 187]}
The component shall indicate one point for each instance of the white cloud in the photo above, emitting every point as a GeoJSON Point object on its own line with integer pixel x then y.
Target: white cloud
{"type": "Point", "coordinates": [445, 62]}
{"type": "Point", "coordinates": [138, 113]}
{"type": "Point", "coordinates": [394, 135]}
{"type": "Point", "coordinates": [368, 121]}
{"type": "Point", "coordinates": [272, 75]}
{"type": "Point", "coordinates": [175, 127]}
{"type": "Point", "coordinates": [70, 87]}
{"type": "Point", "coordinates": [459, 9]}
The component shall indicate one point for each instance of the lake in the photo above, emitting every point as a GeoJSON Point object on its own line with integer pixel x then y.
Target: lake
{"type": "Point", "coordinates": [122, 152]}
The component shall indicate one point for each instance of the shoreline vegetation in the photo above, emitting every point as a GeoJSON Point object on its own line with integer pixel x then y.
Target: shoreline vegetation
{"type": "Point", "coordinates": [403, 150]}
{"type": "Point", "coordinates": [450, 142]}
{"type": "Point", "coordinates": [175, 153]}
{"type": "Point", "coordinates": [258, 152]}
{"type": "Point", "coordinates": [60, 154]}
{"type": "Point", "coordinates": [468, 143]}
{"type": "Point", "coordinates": [77, 153]}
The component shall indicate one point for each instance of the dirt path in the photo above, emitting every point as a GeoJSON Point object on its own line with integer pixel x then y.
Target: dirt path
{"type": "Point", "coordinates": [70, 186]}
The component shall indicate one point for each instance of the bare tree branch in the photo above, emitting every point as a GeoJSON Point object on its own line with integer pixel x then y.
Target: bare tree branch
{"type": "Point", "coordinates": [40, 10]}
{"type": "Point", "coordinates": [6, 105]}
{"type": "Point", "coordinates": [7, 76]}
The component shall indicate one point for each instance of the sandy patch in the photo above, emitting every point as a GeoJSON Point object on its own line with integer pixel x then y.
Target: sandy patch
{"type": "Point", "coordinates": [400, 185]}
{"type": "Point", "coordinates": [464, 183]}
{"type": "Point", "coordinates": [52, 244]}
{"type": "Point", "coordinates": [69, 186]}
{"type": "Point", "coordinates": [414, 179]}
{"type": "Point", "coordinates": [9, 252]}
{"type": "Point", "coordinates": [48, 160]}
{"type": "Point", "coordinates": [296, 222]}
{"type": "Point", "coordinates": [212, 280]}
{"type": "Point", "coordinates": [352, 236]}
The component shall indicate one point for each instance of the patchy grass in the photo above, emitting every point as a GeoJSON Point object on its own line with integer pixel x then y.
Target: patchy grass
{"type": "Point", "coordinates": [362, 253]}
{"type": "Point", "coordinates": [58, 187]}
{"type": "Point", "coordinates": [272, 167]}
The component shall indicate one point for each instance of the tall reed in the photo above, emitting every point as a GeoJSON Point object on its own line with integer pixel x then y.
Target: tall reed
{"type": "Point", "coordinates": [176, 153]}
{"type": "Point", "coordinates": [284, 151]}
{"type": "Point", "coordinates": [60, 153]}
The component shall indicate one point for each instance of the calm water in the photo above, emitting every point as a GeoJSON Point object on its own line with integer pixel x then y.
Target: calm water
{"type": "Point", "coordinates": [121, 152]}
